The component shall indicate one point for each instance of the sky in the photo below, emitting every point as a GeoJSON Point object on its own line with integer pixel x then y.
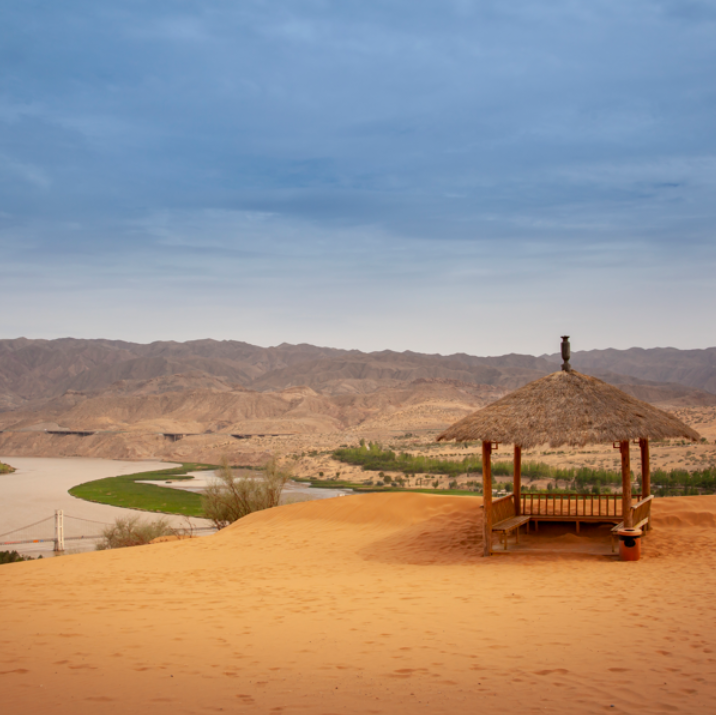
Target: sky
{"type": "Point", "coordinates": [447, 176]}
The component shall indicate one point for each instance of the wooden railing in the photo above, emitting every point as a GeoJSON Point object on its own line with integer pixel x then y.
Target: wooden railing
{"type": "Point", "coordinates": [573, 505]}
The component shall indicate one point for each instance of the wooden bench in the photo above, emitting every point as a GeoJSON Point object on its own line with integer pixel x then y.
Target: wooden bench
{"type": "Point", "coordinates": [641, 512]}
{"type": "Point", "coordinates": [505, 519]}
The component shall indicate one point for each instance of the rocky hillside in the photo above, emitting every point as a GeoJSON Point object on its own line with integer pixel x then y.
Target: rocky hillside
{"type": "Point", "coordinates": [33, 371]}
{"type": "Point", "coordinates": [211, 387]}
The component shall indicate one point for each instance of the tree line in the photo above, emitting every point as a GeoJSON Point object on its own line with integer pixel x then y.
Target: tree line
{"type": "Point", "coordinates": [373, 457]}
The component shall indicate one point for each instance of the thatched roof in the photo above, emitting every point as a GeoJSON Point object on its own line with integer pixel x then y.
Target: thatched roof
{"type": "Point", "coordinates": [567, 408]}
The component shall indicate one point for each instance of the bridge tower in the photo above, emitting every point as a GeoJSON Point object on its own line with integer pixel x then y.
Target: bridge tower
{"type": "Point", "coordinates": [59, 530]}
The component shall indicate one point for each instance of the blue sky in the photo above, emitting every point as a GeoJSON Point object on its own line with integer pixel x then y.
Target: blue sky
{"type": "Point", "coordinates": [435, 176]}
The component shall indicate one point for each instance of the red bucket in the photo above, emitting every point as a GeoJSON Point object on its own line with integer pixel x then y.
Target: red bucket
{"type": "Point", "coordinates": [629, 544]}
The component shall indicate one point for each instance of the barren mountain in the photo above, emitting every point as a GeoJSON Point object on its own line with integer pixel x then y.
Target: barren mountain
{"type": "Point", "coordinates": [694, 368]}
{"type": "Point", "coordinates": [41, 369]}
{"type": "Point", "coordinates": [33, 370]}
{"type": "Point", "coordinates": [231, 387]}
{"type": "Point", "coordinates": [196, 404]}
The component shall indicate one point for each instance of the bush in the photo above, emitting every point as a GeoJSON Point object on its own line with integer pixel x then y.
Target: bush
{"type": "Point", "coordinates": [130, 531]}
{"type": "Point", "coordinates": [232, 496]}
{"type": "Point", "coordinates": [11, 557]}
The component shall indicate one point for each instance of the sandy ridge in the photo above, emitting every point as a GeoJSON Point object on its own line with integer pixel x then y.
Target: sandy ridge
{"type": "Point", "coordinates": [375, 603]}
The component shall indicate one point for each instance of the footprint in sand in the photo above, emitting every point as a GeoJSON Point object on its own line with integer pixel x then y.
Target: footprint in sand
{"type": "Point", "coordinates": [406, 672]}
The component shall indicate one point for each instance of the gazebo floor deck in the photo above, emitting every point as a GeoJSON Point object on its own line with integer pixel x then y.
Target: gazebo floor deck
{"type": "Point", "coordinates": [559, 537]}
{"type": "Point", "coordinates": [601, 550]}
{"type": "Point", "coordinates": [577, 520]}
{"type": "Point", "coordinates": [593, 518]}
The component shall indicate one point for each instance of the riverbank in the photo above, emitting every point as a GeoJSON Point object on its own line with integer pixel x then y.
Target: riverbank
{"type": "Point", "coordinates": [39, 487]}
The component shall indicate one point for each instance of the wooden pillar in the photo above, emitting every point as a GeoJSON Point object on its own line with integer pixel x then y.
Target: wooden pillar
{"type": "Point", "coordinates": [645, 469]}
{"type": "Point", "coordinates": [517, 479]}
{"type": "Point", "coordinates": [626, 484]}
{"type": "Point", "coordinates": [487, 494]}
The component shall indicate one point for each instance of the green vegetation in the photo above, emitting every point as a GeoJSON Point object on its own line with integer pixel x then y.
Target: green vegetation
{"type": "Point", "coordinates": [125, 491]}
{"type": "Point", "coordinates": [679, 482]}
{"type": "Point", "coordinates": [233, 495]}
{"type": "Point", "coordinates": [11, 557]}
{"type": "Point", "coordinates": [372, 457]}
{"type": "Point", "coordinates": [6, 468]}
{"type": "Point", "coordinates": [131, 531]}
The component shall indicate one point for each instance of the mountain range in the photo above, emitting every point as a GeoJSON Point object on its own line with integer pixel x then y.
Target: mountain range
{"type": "Point", "coordinates": [223, 386]}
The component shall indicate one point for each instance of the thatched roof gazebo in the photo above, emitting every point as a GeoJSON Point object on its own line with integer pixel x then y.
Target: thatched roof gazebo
{"type": "Point", "coordinates": [566, 408]}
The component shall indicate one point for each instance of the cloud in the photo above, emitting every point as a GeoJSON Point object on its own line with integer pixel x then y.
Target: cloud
{"type": "Point", "coordinates": [403, 149]}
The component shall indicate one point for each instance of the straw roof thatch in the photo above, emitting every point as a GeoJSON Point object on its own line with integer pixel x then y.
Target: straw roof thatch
{"type": "Point", "coordinates": [567, 408]}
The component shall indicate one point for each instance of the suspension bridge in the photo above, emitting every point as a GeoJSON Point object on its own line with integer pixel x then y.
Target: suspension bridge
{"type": "Point", "coordinates": [61, 528]}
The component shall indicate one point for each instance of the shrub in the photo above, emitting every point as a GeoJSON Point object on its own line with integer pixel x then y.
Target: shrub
{"type": "Point", "coordinates": [232, 496]}
{"type": "Point", "coordinates": [11, 557]}
{"type": "Point", "coordinates": [131, 531]}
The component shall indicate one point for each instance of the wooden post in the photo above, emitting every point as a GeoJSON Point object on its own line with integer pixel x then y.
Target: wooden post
{"type": "Point", "coordinates": [517, 480]}
{"type": "Point", "coordinates": [645, 469]}
{"type": "Point", "coordinates": [626, 484]}
{"type": "Point", "coordinates": [487, 494]}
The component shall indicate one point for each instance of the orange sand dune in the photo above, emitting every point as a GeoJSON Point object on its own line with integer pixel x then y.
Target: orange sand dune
{"type": "Point", "coordinates": [366, 604]}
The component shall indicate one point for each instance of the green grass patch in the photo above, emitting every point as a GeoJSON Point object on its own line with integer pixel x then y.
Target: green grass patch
{"type": "Point", "coordinates": [126, 492]}
{"type": "Point", "coordinates": [6, 468]}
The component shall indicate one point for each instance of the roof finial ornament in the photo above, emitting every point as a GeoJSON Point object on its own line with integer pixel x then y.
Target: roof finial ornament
{"type": "Point", "coordinates": [566, 354]}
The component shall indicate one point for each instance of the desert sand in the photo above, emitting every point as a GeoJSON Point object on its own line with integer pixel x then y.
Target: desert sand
{"type": "Point", "coordinates": [377, 603]}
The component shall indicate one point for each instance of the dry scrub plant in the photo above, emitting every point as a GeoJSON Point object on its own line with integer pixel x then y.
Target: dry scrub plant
{"type": "Point", "coordinates": [233, 495]}
{"type": "Point", "coordinates": [130, 531]}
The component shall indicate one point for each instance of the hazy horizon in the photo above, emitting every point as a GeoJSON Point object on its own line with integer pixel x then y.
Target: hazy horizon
{"type": "Point", "coordinates": [552, 353]}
